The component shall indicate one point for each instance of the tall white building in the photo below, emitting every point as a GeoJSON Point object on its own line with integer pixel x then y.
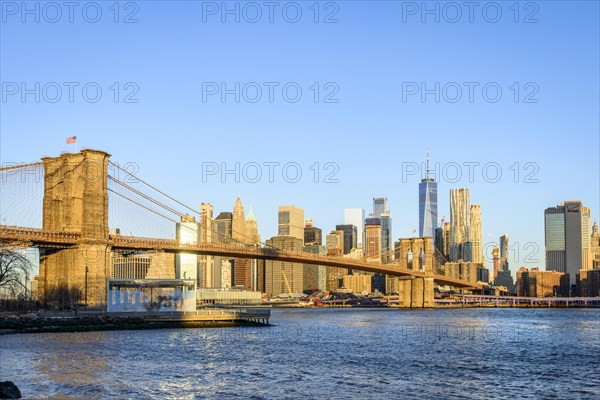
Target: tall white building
{"type": "Point", "coordinates": [356, 217]}
{"type": "Point", "coordinates": [206, 236]}
{"type": "Point", "coordinates": [186, 265]}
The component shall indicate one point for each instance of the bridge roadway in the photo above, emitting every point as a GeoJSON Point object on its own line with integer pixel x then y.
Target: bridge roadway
{"type": "Point", "coordinates": [46, 238]}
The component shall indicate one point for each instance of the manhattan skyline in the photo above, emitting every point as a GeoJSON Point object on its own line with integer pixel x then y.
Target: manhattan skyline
{"type": "Point", "coordinates": [300, 199]}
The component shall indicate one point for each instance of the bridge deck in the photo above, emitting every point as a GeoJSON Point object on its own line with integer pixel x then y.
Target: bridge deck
{"type": "Point", "coordinates": [47, 238]}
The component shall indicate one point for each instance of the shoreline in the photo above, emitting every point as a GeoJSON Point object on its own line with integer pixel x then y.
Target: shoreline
{"type": "Point", "coordinates": [32, 323]}
{"type": "Point", "coordinates": [97, 323]}
{"type": "Point", "coordinates": [438, 306]}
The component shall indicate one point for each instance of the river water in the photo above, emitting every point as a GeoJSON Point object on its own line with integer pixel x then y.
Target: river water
{"type": "Point", "coordinates": [326, 354]}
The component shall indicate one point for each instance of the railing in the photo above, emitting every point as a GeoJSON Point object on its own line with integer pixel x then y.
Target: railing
{"type": "Point", "coordinates": [516, 300]}
{"type": "Point", "coordinates": [138, 243]}
{"type": "Point", "coordinates": [257, 252]}
{"type": "Point", "coordinates": [234, 249]}
{"type": "Point", "coordinates": [38, 235]}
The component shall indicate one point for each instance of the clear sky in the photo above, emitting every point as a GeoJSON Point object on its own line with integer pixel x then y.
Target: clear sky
{"type": "Point", "coordinates": [369, 118]}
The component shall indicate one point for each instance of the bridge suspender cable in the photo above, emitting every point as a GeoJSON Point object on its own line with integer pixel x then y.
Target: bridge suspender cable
{"type": "Point", "coordinates": [173, 199]}
{"type": "Point", "coordinates": [386, 253]}
{"type": "Point", "coordinates": [167, 208]}
{"type": "Point", "coordinates": [141, 205]}
{"type": "Point", "coordinates": [145, 196]}
{"type": "Point", "coordinates": [178, 202]}
{"type": "Point", "coordinates": [152, 187]}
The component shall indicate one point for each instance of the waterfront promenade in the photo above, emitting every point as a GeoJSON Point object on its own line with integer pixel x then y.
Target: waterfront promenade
{"type": "Point", "coordinates": [100, 321]}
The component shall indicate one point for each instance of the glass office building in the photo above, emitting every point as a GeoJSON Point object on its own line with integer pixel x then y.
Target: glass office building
{"type": "Point", "coordinates": [380, 205]}
{"type": "Point", "coordinates": [428, 210]}
{"type": "Point", "coordinates": [387, 248]}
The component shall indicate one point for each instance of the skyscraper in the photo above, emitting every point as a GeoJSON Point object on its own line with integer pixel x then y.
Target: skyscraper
{"type": "Point", "coordinates": [334, 243]}
{"type": "Point", "coordinates": [290, 237]}
{"type": "Point", "coordinates": [442, 241]}
{"type": "Point", "coordinates": [350, 236]}
{"type": "Point", "coordinates": [256, 274]}
{"type": "Point", "coordinates": [291, 222]}
{"type": "Point", "coordinates": [503, 252]}
{"type": "Point", "coordinates": [186, 265]}
{"type": "Point", "coordinates": [567, 233]}
{"type": "Point", "coordinates": [241, 267]}
{"type": "Point", "coordinates": [387, 246]}
{"type": "Point", "coordinates": [495, 253]}
{"type": "Point", "coordinates": [313, 243]}
{"type": "Point", "coordinates": [222, 234]}
{"type": "Point", "coordinates": [460, 220]}
{"type": "Point", "coordinates": [504, 276]}
{"type": "Point", "coordinates": [315, 275]}
{"type": "Point", "coordinates": [356, 217]}
{"type": "Point", "coordinates": [223, 226]}
{"type": "Point", "coordinates": [238, 223]}
{"type": "Point", "coordinates": [381, 211]}
{"type": "Point", "coordinates": [277, 272]}
{"type": "Point", "coordinates": [595, 247]}
{"type": "Point", "coordinates": [373, 239]}
{"type": "Point", "coordinates": [312, 234]}
{"type": "Point", "coordinates": [476, 248]}
{"type": "Point", "coordinates": [428, 210]}
{"type": "Point", "coordinates": [380, 205]}
{"type": "Point", "coordinates": [252, 234]}
{"type": "Point", "coordinates": [206, 236]}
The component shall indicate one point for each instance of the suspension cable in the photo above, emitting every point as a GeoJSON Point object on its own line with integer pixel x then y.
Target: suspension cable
{"type": "Point", "coordinates": [141, 205]}
{"type": "Point", "coordinates": [152, 187]}
{"type": "Point", "coordinates": [20, 166]}
{"type": "Point", "coordinates": [145, 196]}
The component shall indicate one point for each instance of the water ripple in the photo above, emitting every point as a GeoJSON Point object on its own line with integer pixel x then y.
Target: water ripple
{"type": "Point", "coordinates": [360, 354]}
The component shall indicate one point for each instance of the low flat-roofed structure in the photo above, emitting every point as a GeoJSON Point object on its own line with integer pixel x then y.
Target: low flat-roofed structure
{"type": "Point", "coordinates": [227, 296]}
{"type": "Point", "coordinates": [151, 295]}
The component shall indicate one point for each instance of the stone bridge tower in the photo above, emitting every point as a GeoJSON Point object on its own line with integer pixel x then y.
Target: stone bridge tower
{"type": "Point", "coordinates": [76, 200]}
{"type": "Point", "coordinates": [416, 254]}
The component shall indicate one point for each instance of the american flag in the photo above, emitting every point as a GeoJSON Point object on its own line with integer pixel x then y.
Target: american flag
{"type": "Point", "coordinates": [71, 140]}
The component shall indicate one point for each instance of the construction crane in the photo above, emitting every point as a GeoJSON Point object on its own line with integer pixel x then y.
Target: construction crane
{"type": "Point", "coordinates": [287, 283]}
{"type": "Point", "coordinates": [312, 285]}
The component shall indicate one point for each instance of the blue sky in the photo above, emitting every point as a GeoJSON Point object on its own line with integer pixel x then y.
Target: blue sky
{"type": "Point", "coordinates": [370, 57]}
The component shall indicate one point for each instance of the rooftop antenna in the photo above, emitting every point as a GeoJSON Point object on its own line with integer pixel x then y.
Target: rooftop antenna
{"type": "Point", "coordinates": [427, 167]}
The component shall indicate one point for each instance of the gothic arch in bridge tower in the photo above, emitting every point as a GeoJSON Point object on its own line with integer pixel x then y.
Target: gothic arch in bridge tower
{"type": "Point", "coordinates": [416, 254]}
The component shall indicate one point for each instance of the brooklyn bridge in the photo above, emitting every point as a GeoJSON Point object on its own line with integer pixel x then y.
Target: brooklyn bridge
{"type": "Point", "coordinates": [75, 241]}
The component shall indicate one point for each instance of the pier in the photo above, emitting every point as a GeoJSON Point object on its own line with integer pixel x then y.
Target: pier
{"type": "Point", "coordinates": [514, 301]}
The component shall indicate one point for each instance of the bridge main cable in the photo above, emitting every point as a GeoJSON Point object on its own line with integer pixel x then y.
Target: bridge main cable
{"type": "Point", "coordinates": [209, 227]}
{"type": "Point", "coordinates": [141, 205]}
{"type": "Point", "coordinates": [154, 188]}
{"type": "Point", "coordinates": [20, 166]}
{"type": "Point", "coordinates": [145, 196]}
{"type": "Point", "coordinates": [167, 208]}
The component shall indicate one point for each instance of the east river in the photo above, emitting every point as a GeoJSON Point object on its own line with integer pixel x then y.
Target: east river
{"type": "Point", "coordinates": [324, 354]}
